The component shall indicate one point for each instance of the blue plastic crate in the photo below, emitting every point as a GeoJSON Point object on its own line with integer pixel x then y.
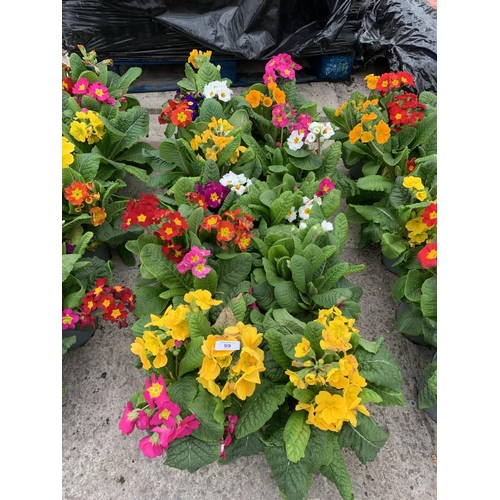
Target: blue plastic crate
{"type": "Point", "coordinates": [335, 67]}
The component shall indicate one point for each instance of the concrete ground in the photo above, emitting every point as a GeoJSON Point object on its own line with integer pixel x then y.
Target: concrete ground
{"type": "Point", "coordinates": [100, 463]}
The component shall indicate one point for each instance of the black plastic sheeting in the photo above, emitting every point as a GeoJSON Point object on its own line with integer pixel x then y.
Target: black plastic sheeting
{"type": "Point", "coordinates": [241, 29]}
{"type": "Point", "coordinates": [404, 32]}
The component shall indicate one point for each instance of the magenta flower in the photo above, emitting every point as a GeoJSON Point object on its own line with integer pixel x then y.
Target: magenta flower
{"type": "Point", "coordinates": [112, 101]}
{"type": "Point", "coordinates": [233, 419]}
{"type": "Point", "coordinates": [325, 186]}
{"type": "Point", "coordinates": [69, 319]}
{"type": "Point", "coordinates": [215, 193]}
{"type": "Point", "coordinates": [127, 422]}
{"type": "Point", "coordinates": [81, 86]}
{"type": "Point", "coordinates": [99, 91]}
{"type": "Point", "coordinates": [167, 435]}
{"type": "Point", "coordinates": [150, 446]}
{"type": "Point", "coordinates": [187, 426]}
{"type": "Point", "coordinates": [167, 411]}
{"type": "Point", "coordinates": [279, 116]}
{"type": "Point", "coordinates": [156, 391]}
{"type": "Point", "coordinates": [200, 270]}
{"type": "Point", "coordinates": [142, 422]}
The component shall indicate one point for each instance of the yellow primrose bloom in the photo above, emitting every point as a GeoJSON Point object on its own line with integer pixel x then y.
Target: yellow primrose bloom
{"type": "Point", "coordinates": [421, 195]}
{"type": "Point", "coordinates": [416, 225]}
{"type": "Point", "coordinates": [245, 385]}
{"type": "Point", "coordinates": [195, 142]}
{"type": "Point", "coordinates": [310, 378]}
{"type": "Point", "coordinates": [353, 403]}
{"type": "Point", "coordinates": [371, 81]}
{"type": "Point", "coordinates": [209, 385]}
{"type": "Point", "coordinates": [368, 117]}
{"type": "Point", "coordinates": [349, 366]}
{"type": "Point", "coordinates": [211, 154]}
{"type": "Point", "coordinates": [239, 150]}
{"type": "Point", "coordinates": [67, 150]}
{"type": "Point", "coordinates": [338, 111]}
{"type": "Point", "coordinates": [209, 369]}
{"type": "Point", "coordinates": [337, 379]}
{"type": "Point", "coordinates": [302, 348]}
{"type": "Point", "coordinates": [138, 347]}
{"type": "Point", "coordinates": [417, 238]}
{"type": "Point", "coordinates": [221, 142]}
{"type": "Point", "coordinates": [152, 343]}
{"type": "Point", "coordinates": [410, 182]}
{"type": "Point", "coordinates": [78, 130]}
{"type": "Point", "coordinates": [336, 336]}
{"type": "Point", "coordinates": [330, 407]}
{"type": "Point", "coordinates": [157, 321]}
{"type": "Point", "coordinates": [295, 379]}
{"type": "Point", "coordinates": [202, 298]}
{"type": "Point", "coordinates": [206, 135]}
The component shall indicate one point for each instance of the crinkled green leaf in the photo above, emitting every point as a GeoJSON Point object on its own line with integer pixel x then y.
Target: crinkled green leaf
{"type": "Point", "coordinates": [296, 435]}
{"type": "Point", "coordinates": [193, 356]}
{"type": "Point", "coordinates": [380, 368]}
{"type": "Point", "coordinates": [189, 453]}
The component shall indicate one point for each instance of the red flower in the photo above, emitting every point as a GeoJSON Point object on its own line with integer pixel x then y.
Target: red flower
{"type": "Point", "coordinates": [411, 164]}
{"type": "Point", "coordinates": [168, 231]}
{"type": "Point", "coordinates": [178, 220]}
{"type": "Point", "coordinates": [197, 198]}
{"type": "Point", "coordinates": [76, 193]}
{"type": "Point", "coordinates": [106, 301]}
{"type": "Point", "coordinates": [428, 255]}
{"type": "Point", "coordinates": [182, 117]}
{"type": "Point", "coordinates": [210, 222]}
{"type": "Point", "coordinates": [67, 85]}
{"type": "Point", "coordinates": [429, 216]}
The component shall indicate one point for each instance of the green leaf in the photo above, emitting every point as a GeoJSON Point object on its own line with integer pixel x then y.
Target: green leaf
{"type": "Point", "coordinates": [193, 356]}
{"type": "Point", "coordinates": [332, 297]}
{"type": "Point", "coordinates": [189, 453]}
{"type": "Point", "coordinates": [273, 338]}
{"type": "Point", "coordinates": [375, 183]}
{"type": "Point", "coordinates": [234, 271]}
{"type": "Point", "coordinates": [244, 447]}
{"type": "Point", "coordinates": [209, 173]}
{"type": "Point", "coordinates": [199, 326]}
{"type": "Point", "coordinates": [380, 368]}
{"type": "Point", "coordinates": [336, 471]}
{"type": "Point", "coordinates": [409, 321]}
{"type": "Point", "coordinates": [288, 296]}
{"type": "Point", "coordinates": [293, 479]}
{"type": "Point", "coordinates": [296, 435]}
{"type": "Point", "coordinates": [388, 397]}
{"type": "Point", "coordinates": [366, 439]}
{"type": "Point", "coordinates": [195, 219]}
{"type": "Point", "coordinates": [281, 207]}
{"type": "Point", "coordinates": [393, 245]}
{"type": "Point", "coordinates": [428, 302]}
{"type": "Point", "coordinates": [385, 216]}
{"type": "Point", "coordinates": [302, 272]}
{"type": "Point", "coordinates": [183, 391]}
{"type": "Point", "coordinates": [148, 300]}
{"type": "Point", "coordinates": [207, 73]}
{"type": "Point", "coordinates": [206, 407]}
{"type": "Point", "coordinates": [182, 186]}
{"type": "Point", "coordinates": [413, 285]}
{"type": "Point", "coordinates": [259, 408]}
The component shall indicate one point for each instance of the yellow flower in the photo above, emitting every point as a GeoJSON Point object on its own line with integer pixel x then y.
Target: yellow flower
{"type": "Point", "coordinates": [221, 142]}
{"type": "Point", "coordinates": [310, 379]}
{"type": "Point", "coordinates": [416, 225]}
{"type": "Point", "coordinates": [202, 298]}
{"type": "Point", "coordinates": [211, 154]}
{"type": "Point", "coordinates": [368, 117]}
{"type": "Point", "coordinates": [239, 150]}
{"type": "Point", "coordinates": [355, 133]}
{"type": "Point", "coordinates": [411, 181]}
{"type": "Point", "coordinates": [349, 366]}
{"type": "Point", "coordinates": [421, 195]}
{"type": "Point", "coordinates": [67, 150]}
{"type": "Point", "coordinates": [337, 379]}
{"type": "Point", "coordinates": [279, 96]}
{"type": "Point", "coordinates": [371, 81]}
{"type": "Point", "coordinates": [78, 130]}
{"type": "Point", "coordinates": [338, 111]}
{"type": "Point", "coordinates": [267, 101]}
{"type": "Point", "coordinates": [331, 409]}
{"type": "Point", "coordinates": [382, 132]}
{"type": "Point", "coordinates": [295, 379]}
{"type": "Point", "coordinates": [195, 142]}
{"type": "Point", "coordinates": [336, 336]}
{"type": "Point", "coordinates": [302, 348]}
{"type": "Point", "coordinates": [175, 321]}
{"type": "Point", "coordinates": [353, 402]}
{"type": "Point", "coordinates": [138, 348]}
{"type": "Point", "coordinates": [245, 386]}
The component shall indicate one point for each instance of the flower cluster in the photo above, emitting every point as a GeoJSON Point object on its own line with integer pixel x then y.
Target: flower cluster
{"type": "Point", "coordinates": [280, 65]}
{"type": "Point", "coordinates": [67, 152]}
{"type": "Point", "coordinates": [177, 112]}
{"type": "Point", "coordinates": [195, 261]}
{"type": "Point", "coordinates": [232, 226]}
{"type": "Point", "coordinates": [241, 368]}
{"type": "Point", "coordinates": [303, 211]}
{"type": "Point", "coordinates": [82, 195]}
{"type": "Point", "coordinates": [339, 380]}
{"type": "Point", "coordinates": [388, 82]}
{"type": "Point", "coordinates": [218, 89]}
{"type": "Point", "coordinates": [87, 127]}
{"type": "Point", "coordinates": [236, 182]}
{"type": "Point", "coordinates": [404, 109]}
{"type": "Point", "coordinates": [113, 303]}
{"type": "Point", "coordinates": [197, 58]}
{"type": "Point", "coordinates": [171, 330]}
{"type": "Point", "coordinates": [211, 195]}
{"type": "Point", "coordinates": [214, 139]}
{"type": "Point", "coordinates": [82, 87]}
{"type": "Point", "coordinates": [157, 414]}
{"type": "Point", "coordinates": [143, 212]}
{"type": "Point", "coordinates": [229, 430]}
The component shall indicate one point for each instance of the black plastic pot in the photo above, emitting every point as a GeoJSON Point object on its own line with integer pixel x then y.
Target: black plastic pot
{"type": "Point", "coordinates": [389, 264]}
{"type": "Point", "coordinates": [83, 335]}
{"type": "Point", "coordinates": [416, 339]}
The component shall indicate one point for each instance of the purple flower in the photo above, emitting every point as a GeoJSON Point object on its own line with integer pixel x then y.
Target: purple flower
{"type": "Point", "coordinates": [215, 194]}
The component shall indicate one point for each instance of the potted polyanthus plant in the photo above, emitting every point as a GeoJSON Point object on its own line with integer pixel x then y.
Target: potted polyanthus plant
{"type": "Point", "coordinates": [102, 131]}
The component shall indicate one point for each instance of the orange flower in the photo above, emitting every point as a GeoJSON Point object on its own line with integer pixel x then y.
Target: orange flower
{"type": "Point", "coordinates": [366, 136]}
{"type": "Point", "coordinates": [355, 133]}
{"type": "Point", "coordinates": [279, 96]}
{"type": "Point", "coordinates": [98, 216]}
{"type": "Point", "coordinates": [267, 101]}
{"type": "Point", "coordinates": [253, 98]}
{"type": "Point", "coordinates": [76, 192]}
{"type": "Point", "coordinates": [382, 132]}
{"type": "Point", "coordinates": [225, 231]}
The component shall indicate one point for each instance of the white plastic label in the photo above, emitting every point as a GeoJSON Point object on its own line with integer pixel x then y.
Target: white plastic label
{"type": "Point", "coordinates": [227, 345]}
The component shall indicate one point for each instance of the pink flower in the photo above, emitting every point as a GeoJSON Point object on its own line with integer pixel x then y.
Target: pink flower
{"type": "Point", "coordinates": [167, 435]}
{"type": "Point", "coordinates": [325, 186]}
{"type": "Point", "coordinates": [112, 101]}
{"type": "Point", "coordinates": [150, 446]}
{"type": "Point", "coordinates": [99, 91]}
{"type": "Point", "coordinates": [69, 319]}
{"type": "Point", "coordinates": [233, 419]}
{"type": "Point", "coordinates": [156, 391]}
{"type": "Point", "coordinates": [167, 411]}
{"type": "Point", "coordinates": [200, 270]}
{"type": "Point", "coordinates": [187, 426]}
{"type": "Point", "coordinates": [195, 257]}
{"type": "Point", "coordinates": [127, 422]}
{"type": "Point", "coordinates": [142, 422]}
{"type": "Point", "coordinates": [279, 116]}
{"type": "Point", "coordinates": [81, 86]}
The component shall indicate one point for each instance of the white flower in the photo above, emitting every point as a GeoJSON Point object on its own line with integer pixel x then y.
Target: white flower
{"type": "Point", "coordinates": [295, 141]}
{"type": "Point", "coordinates": [327, 226]}
{"type": "Point", "coordinates": [224, 92]}
{"type": "Point", "coordinates": [302, 224]}
{"type": "Point", "coordinates": [317, 199]}
{"type": "Point", "coordinates": [291, 215]}
{"type": "Point", "coordinates": [316, 127]}
{"type": "Point", "coordinates": [249, 182]}
{"type": "Point", "coordinates": [310, 139]}
{"type": "Point", "coordinates": [327, 131]}
{"type": "Point", "coordinates": [306, 200]}
{"type": "Point", "coordinates": [305, 211]}
{"type": "Point", "coordinates": [229, 179]}
{"type": "Point", "coordinates": [238, 188]}
{"type": "Point", "coordinates": [211, 89]}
